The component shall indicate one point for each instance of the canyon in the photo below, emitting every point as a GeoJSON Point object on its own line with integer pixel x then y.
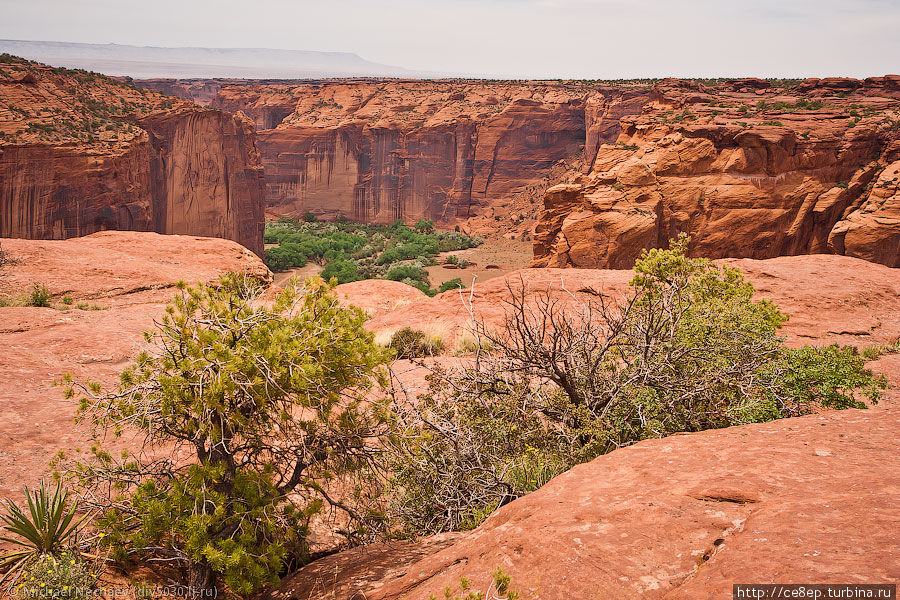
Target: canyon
{"type": "Point", "coordinates": [594, 171]}
{"type": "Point", "coordinates": [682, 517]}
{"type": "Point", "coordinates": [81, 153]}
{"type": "Point", "coordinates": [385, 150]}
{"type": "Point", "coordinates": [591, 172]}
{"type": "Point", "coordinates": [522, 389]}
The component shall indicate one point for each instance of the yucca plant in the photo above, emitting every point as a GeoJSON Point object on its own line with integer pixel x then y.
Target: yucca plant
{"type": "Point", "coordinates": [46, 528]}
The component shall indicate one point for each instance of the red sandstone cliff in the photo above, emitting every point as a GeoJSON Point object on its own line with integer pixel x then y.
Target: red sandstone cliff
{"type": "Point", "coordinates": [750, 168]}
{"type": "Point", "coordinates": [81, 153]}
{"type": "Point", "coordinates": [447, 150]}
{"type": "Point", "coordinates": [747, 169]}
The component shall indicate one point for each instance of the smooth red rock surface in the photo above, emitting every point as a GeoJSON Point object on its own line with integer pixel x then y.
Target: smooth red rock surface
{"type": "Point", "coordinates": [378, 297]}
{"type": "Point", "coordinates": [123, 280]}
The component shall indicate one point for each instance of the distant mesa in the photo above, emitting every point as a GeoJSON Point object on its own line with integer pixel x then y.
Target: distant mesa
{"type": "Point", "coordinates": [155, 61]}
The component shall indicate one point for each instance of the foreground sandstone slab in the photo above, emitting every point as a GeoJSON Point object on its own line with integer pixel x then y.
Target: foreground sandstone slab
{"type": "Point", "coordinates": [378, 296]}
{"type": "Point", "coordinates": [804, 500]}
{"type": "Point", "coordinates": [123, 280]}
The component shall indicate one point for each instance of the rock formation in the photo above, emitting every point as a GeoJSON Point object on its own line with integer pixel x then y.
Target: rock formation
{"type": "Point", "coordinates": [385, 150]}
{"type": "Point", "coordinates": [749, 170]}
{"type": "Point", "coordinates": [118, 282]}
{"type": "Point", "coordinates": [378, 297]}
{"type": "Point", "coordinates": [749, 167]}
{"type": "Point", "coordinates": [81, 153]}
{"type": "Point", "coordinates": [688, 515]}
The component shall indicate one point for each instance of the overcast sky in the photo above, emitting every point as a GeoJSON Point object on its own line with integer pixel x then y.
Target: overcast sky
{"type": "Point", "coordinates": [505, 38]}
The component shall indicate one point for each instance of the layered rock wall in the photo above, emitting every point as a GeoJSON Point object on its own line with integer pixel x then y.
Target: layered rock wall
{"type": "Point", "coordinates": [746, 169]}
{"type": "Point", "coordinates": [80, 153]}
{"type": "Point", "coordinates": [381, 151]}
{"type": "Point", "coordinates": [749, 168]}
{"type": "Point", "coordinates": [206, 177]}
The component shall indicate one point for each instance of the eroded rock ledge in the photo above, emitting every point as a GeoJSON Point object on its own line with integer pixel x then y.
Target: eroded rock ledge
{"type": "Point", "coordinates": [747, 169]}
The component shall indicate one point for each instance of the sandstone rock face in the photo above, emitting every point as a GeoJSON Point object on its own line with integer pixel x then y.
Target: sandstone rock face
{"type": "Point", "coordinates": [122, 279]}
{"type": "Point", "coordinates": [872, 230]}
{"type": "Point", "coordinates": [378, 297]}
{"type": "Point", "coordinates": [809, 499]}
{"type": "Point", "coordinates": [82, 153]}
{"type": "Point", "coordinates": [266, 104]}
{"type": "Point", "coordinates": [206, 176]}
{"type": "Point", "coordinates": [200, 91]}
{"type": "Point", "coordinates": [384, 150]}
{"type": "Point", "coordinates": [747, 169]}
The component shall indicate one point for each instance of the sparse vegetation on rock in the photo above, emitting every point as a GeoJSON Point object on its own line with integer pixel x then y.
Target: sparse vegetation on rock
{"type": "Point", "coordinates": [267, 402]}
{"type": "Point", "coordinates": [39, 296]}
{"type": "Point", "coordinates": [48, 526]}
{"type": "Point", "coordinates": [568, 381]}
{"type": "Point", "coordinates": [498, 588]}
{"type": "Point", "coordinates": [412, 343]}
{"type": "Point", "coordinates": [876, 351]}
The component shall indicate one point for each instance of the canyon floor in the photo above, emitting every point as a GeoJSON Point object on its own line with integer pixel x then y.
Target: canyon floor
{"type": "Point", "coordinates": [811, 499]}
{"type": "Point", "coordinates": [496, 257]}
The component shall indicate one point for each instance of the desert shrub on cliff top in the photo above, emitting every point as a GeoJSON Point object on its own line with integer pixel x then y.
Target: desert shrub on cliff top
{"type": "Point", "coordinates": [39, 296]}
{"type": "Point", "coordinates": [451, 284]}
{"type": "Point", "coordinates": [251, 410]}
{"type": "Point", "coordinates": [572, 376]}
{"type": "Point", "coordinates": [412, 343]}
{"type": "Point", "coordinates": [498, 588]}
